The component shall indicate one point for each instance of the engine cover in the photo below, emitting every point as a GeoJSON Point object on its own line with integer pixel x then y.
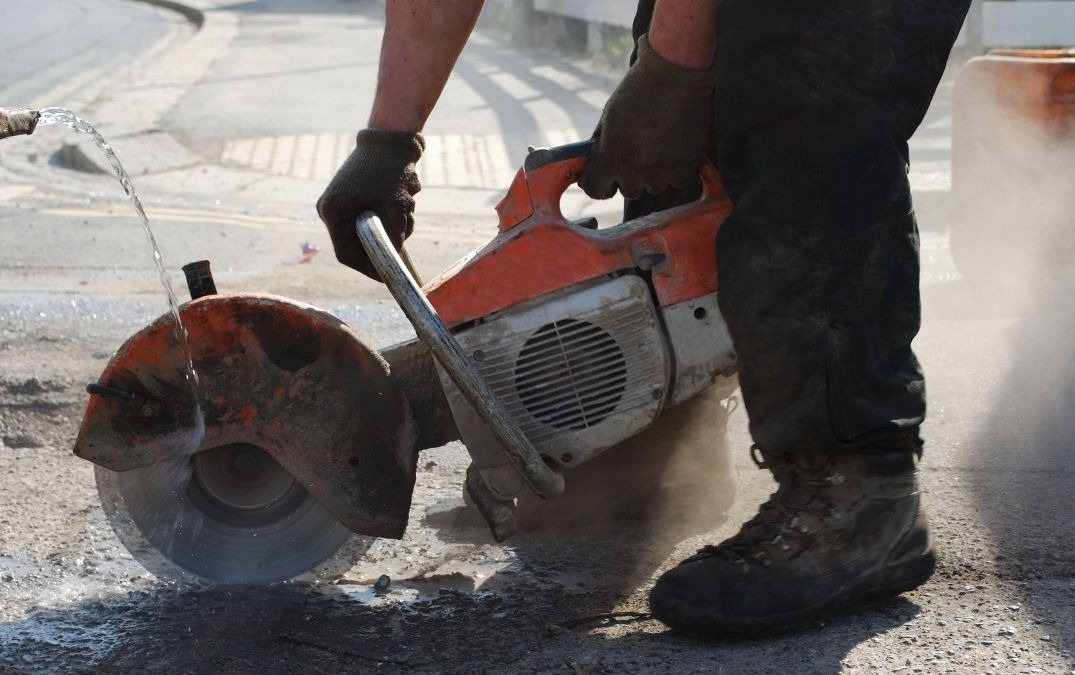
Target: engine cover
{"type": "Point", "coordinates": [579, 370]}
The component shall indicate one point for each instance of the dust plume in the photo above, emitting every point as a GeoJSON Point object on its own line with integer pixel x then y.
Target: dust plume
{"type": "Point", "coordinates": [1012, 240]}
{"type": "Point", "coordinates": [1013, 151]}
{"type": "Point", "coordinates": [624, 512]}
{"type": "Point", "coordinates": [674, 476]}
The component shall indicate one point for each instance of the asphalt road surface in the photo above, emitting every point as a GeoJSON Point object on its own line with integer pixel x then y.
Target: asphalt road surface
{"type": "Point", "coordinates": [222, 181]}
{"type": "Point", "coordinates": [51, 48]}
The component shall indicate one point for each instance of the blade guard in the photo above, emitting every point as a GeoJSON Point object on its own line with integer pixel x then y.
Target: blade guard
{"type": "Point", "coordinates": [286, 377]}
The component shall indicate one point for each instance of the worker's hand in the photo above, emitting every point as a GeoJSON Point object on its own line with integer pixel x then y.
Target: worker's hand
{"type": "Point", "coordinates": [378, 176]}
{"type": "Point", "coordinates": [653, 131]}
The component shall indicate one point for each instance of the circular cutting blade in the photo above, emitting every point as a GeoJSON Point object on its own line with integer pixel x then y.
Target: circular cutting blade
{"type": "Point", "coordinates": [230, 515]}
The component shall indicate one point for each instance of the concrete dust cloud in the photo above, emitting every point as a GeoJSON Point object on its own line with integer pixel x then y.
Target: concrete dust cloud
{"type": "Point", "coordinates": [1013, 213]}
{"type": "Point", "coordinates": [673, 476]}
{"type": "Point", "coordinates": [1013, 153]}
{"type": "Point", "coordinates": [624, 511]}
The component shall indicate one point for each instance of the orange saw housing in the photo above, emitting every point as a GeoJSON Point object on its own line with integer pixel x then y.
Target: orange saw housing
{"type": "Point", "coordinates": [537, 250]}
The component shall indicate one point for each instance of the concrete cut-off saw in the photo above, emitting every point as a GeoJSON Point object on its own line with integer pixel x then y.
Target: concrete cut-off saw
{"type": "Point", "coordinates": [549, 345]}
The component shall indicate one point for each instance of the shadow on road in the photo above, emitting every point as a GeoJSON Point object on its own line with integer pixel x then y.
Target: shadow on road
{"type": "Point", "coordinates": [290, 629]}
{"type": "Point", "coordinates": [484, 60]}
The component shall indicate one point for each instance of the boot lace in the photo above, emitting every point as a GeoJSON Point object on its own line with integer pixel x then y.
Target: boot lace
{"type": "Point", "coordinates": [780, 525]}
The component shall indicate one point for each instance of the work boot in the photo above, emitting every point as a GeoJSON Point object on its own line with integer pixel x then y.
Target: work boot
{"type": "Point", "coordinates": [839, 528]}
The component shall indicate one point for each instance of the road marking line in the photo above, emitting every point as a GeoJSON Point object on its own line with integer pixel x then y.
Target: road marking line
{"type": "Point", "coordinates": [455, 163]}
{"type": "Point", "coordinates": [262, 152]}
{"type": "Point", "coordinates": [283, 156]}
{"type": "Point", "coordinates": [469, 160]}
{"type": "Point", "coordinates": [11, 192]}
{"type": "Point", "coordinates": [166, 214]}
{"type": "Point", "coordinates": [241, 152]}
{"type": "Point", "coordinates": [325, 160]}
{"type": "Point", "coordinates": [431, 169]}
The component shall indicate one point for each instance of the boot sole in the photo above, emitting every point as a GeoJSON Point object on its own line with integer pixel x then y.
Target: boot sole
{"type": "Point", "coordinates": [889, 580]}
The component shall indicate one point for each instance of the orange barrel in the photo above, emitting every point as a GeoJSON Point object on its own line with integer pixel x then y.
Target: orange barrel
{"type": "Point", "coordinates": [1013, 165]}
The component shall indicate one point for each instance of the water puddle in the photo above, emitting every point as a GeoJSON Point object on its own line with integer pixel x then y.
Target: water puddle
{"type": "Point", "coordinates": [60, 116]}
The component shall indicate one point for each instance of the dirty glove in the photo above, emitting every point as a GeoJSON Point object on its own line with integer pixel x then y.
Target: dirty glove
{"type": "Point", "coordinates": [653, 131]}
{"type": "Point", "coordinates": [378, 176]}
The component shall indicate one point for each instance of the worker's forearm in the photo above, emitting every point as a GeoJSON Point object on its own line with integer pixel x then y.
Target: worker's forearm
{"type": "Point", "coordinates": [422, 40]}
{"type": "Point", "coordinates": [684, 32]}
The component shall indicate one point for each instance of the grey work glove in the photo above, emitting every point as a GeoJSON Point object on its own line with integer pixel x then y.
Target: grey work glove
{"type": "Point", "coordinates": [653, 130]}
{"type": "Point", "coordinates": [378, 176]}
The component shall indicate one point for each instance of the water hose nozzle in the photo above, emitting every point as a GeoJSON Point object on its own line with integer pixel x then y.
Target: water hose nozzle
{"type": "Point", "coordinates": [17, 122]}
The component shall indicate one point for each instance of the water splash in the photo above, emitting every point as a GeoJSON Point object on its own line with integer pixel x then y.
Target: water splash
{"type": "Point", "coordinates": [60, 116]}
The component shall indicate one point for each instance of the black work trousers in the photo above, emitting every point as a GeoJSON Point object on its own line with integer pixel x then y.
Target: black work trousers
{"type": "Point", "coordinates": [818, 263]}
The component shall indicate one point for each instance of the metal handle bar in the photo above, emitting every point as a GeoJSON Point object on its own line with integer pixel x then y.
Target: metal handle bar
{"type": "Point", "coordinates": [545, 481]}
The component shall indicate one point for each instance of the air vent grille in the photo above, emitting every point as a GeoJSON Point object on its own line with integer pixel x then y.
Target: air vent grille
{"type": "Point", "coordinates": [570, 374]}
{"type": "Point", "coordinates": [577, 372]}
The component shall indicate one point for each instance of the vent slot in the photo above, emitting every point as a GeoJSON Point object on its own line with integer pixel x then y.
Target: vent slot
{"type": "Point", "coordinates": [570, 374]}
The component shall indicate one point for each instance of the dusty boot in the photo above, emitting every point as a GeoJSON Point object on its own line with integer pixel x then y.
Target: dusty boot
{"type": "Point", "coordinates": [838, 529]}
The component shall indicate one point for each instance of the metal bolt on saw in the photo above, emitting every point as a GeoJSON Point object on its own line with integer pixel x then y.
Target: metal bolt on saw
{"type": "Point", "coordinates": [547, 346]}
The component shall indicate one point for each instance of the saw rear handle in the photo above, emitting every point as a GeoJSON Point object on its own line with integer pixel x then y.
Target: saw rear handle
{"type": "Point", "coordinates": [544, 480]}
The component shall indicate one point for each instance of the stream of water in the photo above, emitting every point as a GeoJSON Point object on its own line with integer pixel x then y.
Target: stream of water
{"type": "Point", "coordinates": [60, 116]}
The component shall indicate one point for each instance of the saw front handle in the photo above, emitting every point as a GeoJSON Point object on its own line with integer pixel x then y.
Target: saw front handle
{"type": "Point", "coordinates": [544, 480]}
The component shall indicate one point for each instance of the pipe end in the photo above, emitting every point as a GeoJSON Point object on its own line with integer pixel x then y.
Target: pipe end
{"type": "Point", "coordinates": [18, 122]}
